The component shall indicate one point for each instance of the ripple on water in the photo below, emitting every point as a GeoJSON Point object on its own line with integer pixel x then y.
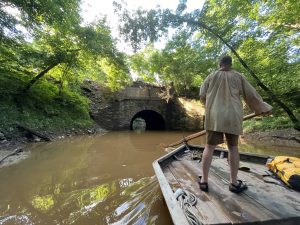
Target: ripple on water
{"type": "Point", "coordinates": [144, 194]}
{"type": "Point", "coordinates": [16, 219]}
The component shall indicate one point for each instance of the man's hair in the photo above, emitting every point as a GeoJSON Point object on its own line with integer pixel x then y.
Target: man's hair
{"type": "Point", "coordinates": [226, 61]}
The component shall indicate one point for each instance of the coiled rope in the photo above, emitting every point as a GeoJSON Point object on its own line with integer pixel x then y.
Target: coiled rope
{"type": "Point", "coordinates": [187, 201]}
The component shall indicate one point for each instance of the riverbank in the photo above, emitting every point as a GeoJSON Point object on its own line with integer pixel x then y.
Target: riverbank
{"type": "Point", "coordinates": [14, 150]}
{"type": "Point", "coordinates": [285, 138]}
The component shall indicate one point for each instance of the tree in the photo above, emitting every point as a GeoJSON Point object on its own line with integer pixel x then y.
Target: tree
{"type": "Point", "coordinates": [51, 37]}
{"type": "Point", "coordinates": [177, 63]}
{"type": "Point", "coordinates": [227, 17]}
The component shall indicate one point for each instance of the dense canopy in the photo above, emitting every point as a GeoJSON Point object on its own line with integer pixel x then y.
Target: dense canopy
{"type": "Point", "coordinates": [263, 36]}
{"type": "Point", "coordinates": [47, 51]}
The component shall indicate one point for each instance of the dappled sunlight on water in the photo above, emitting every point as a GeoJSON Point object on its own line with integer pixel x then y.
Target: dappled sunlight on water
{"type": "Point", "coordinates": [86, 180]}
{"type": "Point", "coordinates": [141, 201]}
{"type": "Point", "coordinates": [120, 202]}
{"type": "Point", "coordinates": [105, 179]}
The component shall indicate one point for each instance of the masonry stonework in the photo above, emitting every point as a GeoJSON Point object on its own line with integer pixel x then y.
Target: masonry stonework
{"type": "Point", "coordinates": [140, 99]}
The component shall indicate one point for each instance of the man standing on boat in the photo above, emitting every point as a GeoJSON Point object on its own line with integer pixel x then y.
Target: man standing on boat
{"type": "Point", "coordinates": [221, 93]}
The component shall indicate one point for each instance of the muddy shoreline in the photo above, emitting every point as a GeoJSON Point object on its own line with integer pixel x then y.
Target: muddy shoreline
{"type": "Point", "coordinates": [284, 137]}
{"type": "Point", "coordinates": [19, 144]}
{"type": "Point", "coordinates": [287, 138]}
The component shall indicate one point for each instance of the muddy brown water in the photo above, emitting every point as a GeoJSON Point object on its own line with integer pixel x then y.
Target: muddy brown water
{"type": "Point", "coordinates": [105, 179]}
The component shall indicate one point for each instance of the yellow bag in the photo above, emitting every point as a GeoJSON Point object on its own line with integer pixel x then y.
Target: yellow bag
{"type": "Point", "coordinates": [287, 169]}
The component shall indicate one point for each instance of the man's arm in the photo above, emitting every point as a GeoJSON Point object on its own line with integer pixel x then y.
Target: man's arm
{"type": "Point", "coordinates": [253, 99]}
{"type": "Point", "coordinates": [203, 90]}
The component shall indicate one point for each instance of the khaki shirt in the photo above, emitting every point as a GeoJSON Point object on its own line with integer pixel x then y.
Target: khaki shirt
{"type": "Point", "coordinates": [221, 93]}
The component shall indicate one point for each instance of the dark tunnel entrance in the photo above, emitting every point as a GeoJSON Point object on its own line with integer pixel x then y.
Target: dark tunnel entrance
{"type": "Point", "coordinates": [147, 120]}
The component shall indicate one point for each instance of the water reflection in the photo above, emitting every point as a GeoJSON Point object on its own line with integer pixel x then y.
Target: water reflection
{"type": "Point", "coordinates": [85, 180]}
{"type": "Point", "coordinates": [89, 180]}
{"type": "Point", "coordinates": [139, 124]}
{"type": "Point", "coordinates": [139, 199]}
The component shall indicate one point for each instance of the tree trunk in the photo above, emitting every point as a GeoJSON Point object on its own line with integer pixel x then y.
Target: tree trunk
{"type": "Point", "coordinates": [22, 127]}
{"type": "Point", "coordinates": [41, 74]}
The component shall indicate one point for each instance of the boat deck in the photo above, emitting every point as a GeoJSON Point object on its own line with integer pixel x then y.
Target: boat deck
{"type": "Point", "coordinates": [267, 200]}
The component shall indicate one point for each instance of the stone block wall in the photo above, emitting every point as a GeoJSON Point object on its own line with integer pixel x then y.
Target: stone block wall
{"type": "Point", "coordinates": [117, 113]}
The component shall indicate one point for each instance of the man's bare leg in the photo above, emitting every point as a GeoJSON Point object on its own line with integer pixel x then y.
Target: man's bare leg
{"type": "Point", "coordinates": [234, 162]}
{"type": "Point", "coordinates": [206, 161]}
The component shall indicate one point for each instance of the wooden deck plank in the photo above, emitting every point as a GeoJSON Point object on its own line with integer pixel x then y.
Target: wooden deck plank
{"type": "Point", "coordinates": [224, 207]}
{"type": "Point", "coordinates": [208, 212]}
{"type": "Point", "coordinates": [171, 179]}
{"type": "Point", "coordinates": [176, 185]}
{"type": "Point", "coordinates": [176, 212]}
{"type": "Point", "coordinates": [238, 208]}
{"type": "Point", "coordinates": [281, 200]}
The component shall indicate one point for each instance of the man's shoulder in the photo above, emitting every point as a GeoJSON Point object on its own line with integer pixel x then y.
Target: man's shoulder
{"type": "Point", "coordinates": [213, 73]}
{"type": "Point", "coordinates": [233, 72]}
{"type": "Point", "coordinates": [209, 76]}
{"type": "Point", "coordinates": [236, 73]}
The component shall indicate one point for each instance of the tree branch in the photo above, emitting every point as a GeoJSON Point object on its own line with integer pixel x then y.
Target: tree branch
{"type": "Point", "coordinates": [41, 74]}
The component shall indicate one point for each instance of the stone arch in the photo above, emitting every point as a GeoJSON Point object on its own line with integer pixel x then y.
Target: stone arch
{"type": "Point", "coordinates": [154, 120]}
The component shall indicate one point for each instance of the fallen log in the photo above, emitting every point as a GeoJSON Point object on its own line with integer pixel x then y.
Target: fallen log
{"type": "Point", "coordinates": [10, 154]}
{"type": "Point", "coordinates": [22, 127]}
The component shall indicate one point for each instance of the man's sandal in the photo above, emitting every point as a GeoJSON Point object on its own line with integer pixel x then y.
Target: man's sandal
{"type": "Point", "coordinates": [240, 187]}
{"type": "Point", "coordinates": [203, 186]}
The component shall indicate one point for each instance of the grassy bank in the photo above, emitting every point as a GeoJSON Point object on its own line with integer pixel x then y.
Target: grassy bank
{"type": "Point", "coordinates": [43, 108]}
{"type": "Point", "coordinates": [266, 123]}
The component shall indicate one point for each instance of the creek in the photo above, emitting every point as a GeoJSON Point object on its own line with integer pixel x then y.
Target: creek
{"type": "Point", "coordinates": [104, 179]}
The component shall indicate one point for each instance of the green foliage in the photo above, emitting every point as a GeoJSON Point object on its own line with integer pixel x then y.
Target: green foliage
{"type": "Point", "coordinates": [45, 55]}
{"type": "Point", "coordinates": [144, 25]}
{"type": "Point", "coordinates": [175, 63]}
{"type": "Point", "coordinates": [52, 36]}
{"type": "Point", "coordinates": [146, 64]}
{"type": "Point", "coordinates": [267, 123]}
{"type": "Point", "coordinates": [44, 109]}
{"type": "Point", "coordinates": [261, 34]}
{"type": "Point", "coordinates": [116, 77]}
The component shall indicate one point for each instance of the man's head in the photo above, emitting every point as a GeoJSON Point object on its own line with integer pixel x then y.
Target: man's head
{"type": "Point", "coordinates": [226, 62]}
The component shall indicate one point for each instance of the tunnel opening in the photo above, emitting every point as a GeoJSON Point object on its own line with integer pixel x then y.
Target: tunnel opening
{"type": "Point", "coordinates": [147, 120]}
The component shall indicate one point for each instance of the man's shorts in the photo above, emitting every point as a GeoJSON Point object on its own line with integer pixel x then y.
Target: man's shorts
{"type": "Point", "coordinates": [216, 138]}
